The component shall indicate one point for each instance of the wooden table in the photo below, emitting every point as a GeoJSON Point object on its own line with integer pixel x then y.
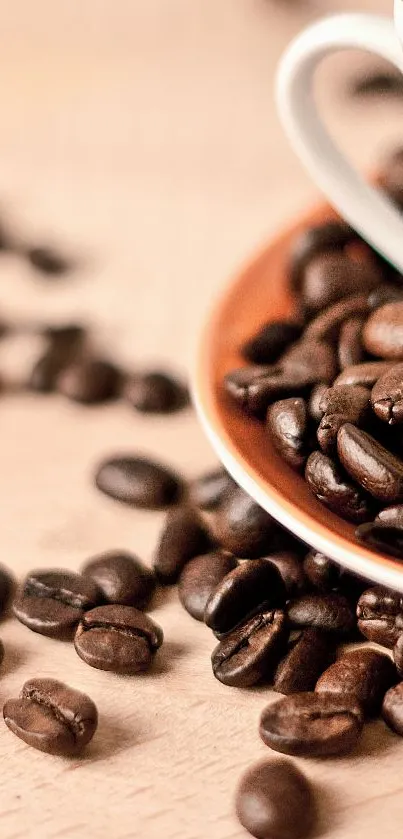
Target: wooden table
{"type": "Point", "coordinates": [141, 135]}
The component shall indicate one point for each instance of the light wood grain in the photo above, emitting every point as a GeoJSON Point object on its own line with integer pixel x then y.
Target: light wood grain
{"type": "Point", "coordinates": [142, 134]}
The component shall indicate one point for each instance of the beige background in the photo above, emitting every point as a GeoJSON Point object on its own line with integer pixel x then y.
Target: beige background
{"type": "Point", "coordinates": [142, 135]}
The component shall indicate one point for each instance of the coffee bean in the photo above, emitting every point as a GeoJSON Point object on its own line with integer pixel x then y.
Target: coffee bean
{"type": "Point", "coordinates": [138, 482]}
{"type": "Point", "coordinates": [383, 331]}
{"type": "Point", "coordinates": [266, 346]}
{"type": "Point", "coordinates": [89, 381]}
{"type": "Point", "coordinates": [288, 424]}
{"type": "Point", "coordinates": [117, 638]}
{"type": "Point", "coordinates": [67, 337]}
{"type": "Point", "coordinates": [315, 400]}
{"type": "Point", "coordinates": [330, 236]}
{"type": "Point", "coordinates": [365, 374]}
{"type": "Point", "coordinates": [52, 717]}
{"type": "Point", "coordinates": [341, 404]}
{"type": "Point", "coordinates": [48, 261]}
{"type": "Point", "coordinates": [312, 724]}
{"type": "Point", "coordinates": [252, 587]}
{"type": "Point", "coordinates": [326, 325]}
{"type": "Point", "coordinates": [308, 657]}
{"type": "Point", "coordinates": [375, 468]}
{"type": "Point", "coordinates": [242, 527]}
{"type": "Point", "coordinates": [210, 489]}
{"type": "Point", "coordinates": [182, 538]}
{"type": "Point", "coordinates": [200, 577]}
{"type": "Point", "coordinates": [392, 708]}
{"type": "Point", "coordinates": [255, 388]}
{"type": "Point", "coordinates": [380, 615]}
{"type": "Point", "coordinates": [155, 392]}
{"type": "Point", "coordinates": [53, 601]}
{"type": "Point", "coordinates": [332, 276]}
{"type": "Point", "coordinates": [312, 360]}
{"type": "Point", "coordinates": [329, 612]}
{"type": "Point", "coordinates": [275, 801]}
{"type": "Point", "coordinates": [387, 396]}
{"type": "Point", "coordinates": [382, 537]}
{"type": "Point", "coordinates": [350, 350]}
{"type": "Point", "coordinates": [249, 653]}
{"type": "Point", "coordinates": [6, 588]}
{"type": "Point", "coordinates": [377, 83]}
{"type": "Point", "coordinates": [121, 578]}
{"type": "Point", "coordinates": [63, 345]}
{"type": "Point", "coordinates": [386, 293]}
{"type": "Point", "coordinates": [291, 571]}
{"type": "Point", "coordinates": [364, 674]}
{"type": "Point", "coordinates": [334, 489]}
{"type": "Point", "coordinates": [322, 573]}
{"type": "Point", "coordinates": [398, 655]}
{"type": "Point", "coordinates": [391, 515]}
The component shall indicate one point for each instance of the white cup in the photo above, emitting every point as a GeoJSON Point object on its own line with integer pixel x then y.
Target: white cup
{"type": "Point", "coordinates": [362, 205]}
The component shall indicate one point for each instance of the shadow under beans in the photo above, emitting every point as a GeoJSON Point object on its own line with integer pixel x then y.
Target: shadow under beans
{"type": "Point", "coordinates": [111, 738]}
{"type": "Point", "coordinates": [166, 658]}
{"type": "Point", "coordinates": [326, 811]}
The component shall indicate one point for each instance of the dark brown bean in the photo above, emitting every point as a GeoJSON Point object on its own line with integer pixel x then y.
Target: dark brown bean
{"type": "Point", "coordinates": [383, 331]}
{"type": "Point", "coordinates": [242, 527]}
{"type": "Point", "coordinates": [386, 293]}
{"type": "Point", "coordinates": [266, 346]}
{"type": "Point", "coordinates": [121, 578]}
{"type": "Point", "coordinates": [392, 708]}
{"type": "Point", "coordinates": [249, 653]}
{"type": "Point", "coordinates": [288, 424]}
{"type": "Point", "coordinates": [117, 638]}
{"type": "Point", "coordinates": [63, 344]}
{"type": "Point", "coordinates": [315, 400]}
{"type": "Point", "coordinates": [89, 381]}
{"type": "Point", "coordinates": [326, 326]}
{"type": "Point", "coordinates": [377, 83]}
{"type": "Point", "coordinates": [250, 588]}
{"type": "Point", "coordinates": [53, 601]}
{"type": "Point", "coordinates": [341, 404]}
{"type": "Point", "coordinates": [138, 482]}
{"type": "Point", "coordinates": [7, 585]}
{"type": "Point", "coordinates": [48, 261]}
{"type": "Point", "coordinates": [334, 489]}
{"type": "Point", "coordinates": [380, 615]}
{"type": "Point", "coordinates": [329, 612]}
{"type": "Point", "coordinates": [183, 537]}
{"type": "Point", "coordinates": [382, 537]}
{"type": "Point", "coordinates": [350, 350]}
{"type": "Point", "coordinates": [365, 374]}
{"type": "Point", "coordinates": [363, 673]}
{"type": "Point", "coordinates": [312, 360]}
{"type": "Point", "coordinates": [330, 236]}
{"type": "Point", "coordinates": [210, 489]}
{"type": "Point", "coordinates": [322, 573]}
{"type": "Point", "coordinates": [387, 396]}
{"type": "Point", "coordinates": [332, 276]}
{"type": "Point", "coordinates": [289, 564]}
{"type": "Point", "coordinates": [155, 392]}
{"type": "Point", "coordinates": [255, 388]}
{"type": "Point", "coordinates": [308, 657]}
{"type": "Point", "coordinates": [376, 469]}
{"type": "Point", "coordinates": [199, 578]}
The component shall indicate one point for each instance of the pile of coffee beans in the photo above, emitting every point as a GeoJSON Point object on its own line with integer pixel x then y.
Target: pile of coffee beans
{"type": "Point", "coordinates": [328, 385]}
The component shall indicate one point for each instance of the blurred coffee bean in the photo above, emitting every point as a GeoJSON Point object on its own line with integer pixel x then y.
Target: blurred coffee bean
{"type": "Point", "coordinates": [182, 538]}
{"type": "Point", "coordinates": [155, 393]}
{"type": "Point", "coordinates": [330, 236]}
{"type": "Point", "coordinates": [383, 537]}
{"type": "Point", "coordinates": [392, 708]}
{"type": "Point", "coordinates": [315, 401]}
{"type": "Point", "coordinates": [121, 578]}
{"type": "Point", "coordinates": [288, 424]}
{"type": "Point", "coordinates": [341, 404]}
{"type": "Point", "coordinates": [270, 341]}
{"type": "Point", "coordinates": [249, 653]}
{"type": "Point", "coordinates": [138, 482]}
{"type": "Point", "coordinates": [89, 381]}
{"type": "Point", "coordinates": [64, 343]}
{"type": "Point", "coordinates": [365, 374]}
{"type": "Point", "coordinates": [387, 396]}
{"type": "Point", "coordinates": [210, 489]}
{"type": "Point", "coordinates": [198, 579]}
{"type": "Point", "coordinates": [333, 488]}
{"type": "Point", "coordinates": [327, 324]}
{"type": "Point", "coordinates": [313, 360]}
{"type": "Point", "coordinates": [242, 527]}
{"type": "Point", "coordinates": [322, 573]}
{"type": "Point", "coordinates": [329, 612]}
{"type": "Point", "coordinates": [380, 615]}
{"type": "Point", "coordinates": [385, 293]}
{"type": "Point", "coordinates": [250, 588]}
{"type": "Point", "coordinates": [308, 657]}
{"type": "Point", "coordinates": [364, 674]}
{"type": "Point", "coordinates": [383, 332]}
{"type": "Point", "coordinates": [376, 83]}
{"type": "Point", "coordinates": [331, 276]}
{"type": "Point", "coordinates": [48, 261]}
{"type": "Point", "coordinates": [289, 565]}
{"type": "Point", "coordinates": [350, 350]}
{"type": "Point", "coordinates": [373, 467]}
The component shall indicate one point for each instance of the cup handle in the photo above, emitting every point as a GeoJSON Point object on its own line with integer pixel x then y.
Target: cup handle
{"type": "Point", "coordinates": [362, 205]}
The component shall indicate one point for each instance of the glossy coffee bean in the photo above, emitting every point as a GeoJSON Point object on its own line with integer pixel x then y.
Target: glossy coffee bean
{"type": "Point", "coordinates": [328, 237]}
{"type": "Point", "coordinates": [289, 565]}
{"type": "Point", "coordinates": [207, 491]}
{"type": "Point", "coordinates": [138, 482]}
{"type": "Point", "coordinates": [398, 655]}
{"type": "Point", "coordinates": [53, 601]}
{"type": "Point", "coordinates": [380, 615]}
{"type": "Point", "coordinates": [313, 360]}
{"type": "Point", "coordinates": [155, 392]}
{"type": "Point", "coordinates": [242, 527]}
{"type": "Point", "coordinates": [121, 578]}
{"type": "Point", "coordinates": [392, 708]}
{"type": "Point", "coordinates": [255, 388]}
{"type": "Point", "coordinates": [200, 577]}
{"type": "Point", "coordinates": [288, 424]}
{"type": "Point", "coordinates": [89, 381]}
{"type": "Point", "coordinates": [274, 801]}
{"type": "Point", "coordinates": [118, 638]}
{"type": "Point", "coordinates": [341, 404]}
{"type": "Point", "coordinates": [387, 396]}
{"type": "Point", "coordinates": [52, 717]}
{"type": "Point", "coordinates": [364, 674]}
{"type": "Point", "coordinates": [315, 401]}
{"type": "Point", "coordinates": [249, 653]}
{"type": "Point", "coordinates": [350, 350]}
{"type": "Point", "coordinates": [270, 341]}
{"type": "Point", "coordinates": [312, 724]}
{"type": "Point", "coordinates": [327, 324]}
{"type": "Point", "coordinates": [382, 537]}
{"type": "Point", "coordinates": [306, 660]}
{"type": "Point", "coordinates": [329, 612]}
{"type": "Point", "coordinates": [48, 261]}
{"type": "Point", "coordinates": [321, 572]}
{"type": "Point", "coordinates": [250, 588]}
{"type": "Point", "coordinates": [375, 468]}
{"type": "Point", "coordinates": [365, 374]}
{"type": "Point", "coordinates": [383, 331]}
{"type": "Point", "coordinates": [333, 275]}
{"type": "Point", "coordinates": [334, 489]}
{"type": "Point", "coordinates": [183, 537]}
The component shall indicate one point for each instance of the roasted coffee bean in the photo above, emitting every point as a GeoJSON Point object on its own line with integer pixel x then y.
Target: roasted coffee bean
{"type": "Point", "coordinates": [200, 577]}
{"type": "Point", "coordinates": [375, 468]}
{"type": "Point", "coordinates": [312, 724]}
{"type": "Point", "coordinates": [63, 345]}
{"type": "Point", "coordinates": [117, 638]}
{"type": "Point", "coordinates": [155, 392]}
{"type": "Point", "coordinates": [210, 489]}
{"type": "Point", "coordinates": [326, 325]}
{"type": "Point", "coordinates": [249, 653]}
{"type": "Point", "coordinates": [52, 717]}
{"type": "Point", "coordinates": [350, 350]}
{"type": "Point", "coordinates": [44, 374]}
{"type": "Point", "coordinates": [341, 404]}
{"type": "Point", "coordinates": [331, 276]}
{"type": "Point", "coordinates": [274, 801]}
{"type": "Point", "coordinates": [138, 482]}
{"type": "Point", "coordinates": [398, 655]}
{"type": "Point", "coordinates": [330, 236]}
{"type": "Point", "coordinates": [334, 489]}
{"type": "Point", "coordinates": [322, 573]}
{"type": "Point", "coordinates": [121, 578]}
{"type": "Point", "coordinates": [383, 332]}
{"type": "Point", "coordinates": [48, 261]}
{"type": "Point", "coordinates": [308, 657]}
{"type": "Point", "coordinates": [387, 396]}
{"type": "Point", "coordinates": [382, 537]}
{"type": "Point", "coordinates": [67, 337]}
{"type": "Point", "coordinates": [53, 601]}
{"type": "Point", "coordinates": [6, 588]}
{"type": "Point", "coordinates": [365, 374]}
{"type": "Point", "coordinates": [313, 360]}
{"type": "Point", "coordinates": [315, 400]}
{"type": "Point", "coordinates": [391, 515]}
{"type": "Point", "coordinates": [392, 708]}
{"type": "Point", "coordinates": [329, 612]}
{"type": "Point", "coordinates": [377, 83]}
{"type": "Point", "coordinates": [386, 293]}
{"type": "Point", "coordinates": [288, 424]}
{"type": "Point", "coordinates": [364, 674]}
{"type": "Point", "coordinates": [252, 587]}
{"type": "Point", "coordinates": [270, 341]}
{"type": "Point", "coordinates": [289, 565]}
{"type": "Point", "coordinates": [242, 527]}
{"type": "Point", "coordinates": [380, 615]}
{"type": "Point", "coordinates": [89, 381]}
{"type": "Point", "coordinates": [255, 388]}
{"type": "Point", "coordinates": [183, 537]}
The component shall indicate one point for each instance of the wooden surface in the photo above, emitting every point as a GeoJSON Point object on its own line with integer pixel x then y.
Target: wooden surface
{"type": "Point", "coordinates": [141, 134]}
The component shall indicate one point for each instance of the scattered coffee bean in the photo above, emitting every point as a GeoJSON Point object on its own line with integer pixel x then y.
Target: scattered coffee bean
{"type": "Point", "coordinates": [382, 537]}
{"type": "Point", "coordinates": [341, 404]}
{"type": "Point", "coordinates": [242, 527]}
{"type": "Point", "coordinates": [380, 615]}
{"type": "Point", "coordinates": [291, 570]}
{"type": "Point", "coordinates": [210, 489]}
{"type": "Point", "coordinates": [329, 612]}
{"type": "Point", "coordinates": [398, 655]}
{"type": "Point", "coordinates": [332, 276]}
{"type": "Point", "coordinates": [121, 578]}
{"type": "Point", "coordinates": [52, 717]}
{"type": "Point", "coordinates": [365, 374]}
{"type": "Point", "coordinates": [138, 482]}
{"type": "Point", "coordinates": [322, 573]}
{"type": "Point", "coordinates": [308, 657]}
{"type": "Point", "coordinates": [183, 537]}
{"type": "Point", "coordinates": [312, 724]}
{"type": "Point", "coordinates": [250, 588]}
{"type": "Point", "coordinates": [376, 469]}
{"type": "Point", "coordinates": [288, 424]}
{"type": "Point", "coordinates": [117, 638]}
{"type": "Point", "coordinates": [270, 342]}
{"type": "Point", "coordinates": [330, 236]}
{"type": "Point", "coordinates": [89, 381]}
{"type": "Point", "coordinates": [249, 653]}
{"type": "Point", "coordinates": [48, 261]}
{"type": "Point", "coordinates": [200, 577]}
{"type": "Point", "coordinates": [52, 602]}
{"type": "Point", "coordinates": [383, 331]}
{"type": "Point", "coordinates": [315, 401]}
{"type": "Point", "coordinates": [326, 326]}
{"type": "Point", "coordinates": [334, 489]}
{"type": "Point", "coordinates": [387, 396]}
{"type": "Point", "coordinates": [364, 674]}
{"type": "Point", "coordinates": [275, 801]}
{"type": "Point", "coordinates": [155, 393]}
{"type": "Point", "coordinates": [350, 350]}
{"type": "Point", "coordinates": [392, 708]}
{"type": "Point", "coordinates": [377, 83]}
